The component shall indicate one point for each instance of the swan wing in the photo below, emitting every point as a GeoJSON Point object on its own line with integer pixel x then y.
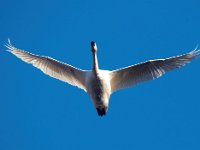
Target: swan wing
{"type": "Point", "coordinates": [149, 70]}
{"type": "Point", "coordinates": [52, 67]}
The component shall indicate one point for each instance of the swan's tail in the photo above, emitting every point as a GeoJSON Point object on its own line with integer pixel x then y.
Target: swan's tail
{"type": "Point", "coordinates": [102, 111]}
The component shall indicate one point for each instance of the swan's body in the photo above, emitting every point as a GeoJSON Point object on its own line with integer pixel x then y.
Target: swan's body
{"type": "Point", "coordinates": [100, 84]}
{"type": "Point", "coordinates": [99, 90]}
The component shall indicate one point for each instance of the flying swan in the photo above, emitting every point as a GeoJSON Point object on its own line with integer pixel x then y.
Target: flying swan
{"type": "Point", "coordinates": [100, 84]}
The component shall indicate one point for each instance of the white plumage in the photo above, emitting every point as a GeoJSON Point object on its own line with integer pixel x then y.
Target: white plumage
{"type": "Point", "coordinates": [100, 84]}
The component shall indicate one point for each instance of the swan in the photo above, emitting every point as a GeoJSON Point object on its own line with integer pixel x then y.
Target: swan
{"type": "Point", "coordinates": [100, 84]}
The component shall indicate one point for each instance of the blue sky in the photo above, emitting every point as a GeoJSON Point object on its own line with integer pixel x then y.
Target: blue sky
{"type": "Point", "coordinates": [39, 112]}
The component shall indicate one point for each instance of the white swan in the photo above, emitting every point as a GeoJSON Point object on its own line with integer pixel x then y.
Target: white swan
{"type": "Point", "coordinates": [100, 84]}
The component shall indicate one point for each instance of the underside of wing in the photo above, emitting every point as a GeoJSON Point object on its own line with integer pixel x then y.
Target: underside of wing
{"type": "Point", "coordinates": [52, 67]}
{"type": "Point", "coordinates": [149, 70]}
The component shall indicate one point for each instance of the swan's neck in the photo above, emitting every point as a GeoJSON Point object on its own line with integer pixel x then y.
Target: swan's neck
{"type": "Point", "coordinates": [95, 63]}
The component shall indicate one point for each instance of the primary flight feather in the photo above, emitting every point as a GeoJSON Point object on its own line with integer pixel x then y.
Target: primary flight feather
{"type": "Point", "coordinates": [100, 84]}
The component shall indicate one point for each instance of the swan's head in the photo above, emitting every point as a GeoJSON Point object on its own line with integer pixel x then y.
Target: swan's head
{"type": "Point", "coordinates": [93, 47]}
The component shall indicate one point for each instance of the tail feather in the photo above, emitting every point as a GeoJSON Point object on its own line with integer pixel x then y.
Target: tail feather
{"type": "Point", "coordinates": [101, 111]}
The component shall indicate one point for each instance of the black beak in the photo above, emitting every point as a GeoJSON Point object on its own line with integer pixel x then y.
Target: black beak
{"type": "Point", "coordinates": [92, 43]}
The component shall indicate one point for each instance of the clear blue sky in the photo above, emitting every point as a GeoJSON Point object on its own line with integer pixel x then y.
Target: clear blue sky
{"type": "Point", "coordinates": [38, 112]}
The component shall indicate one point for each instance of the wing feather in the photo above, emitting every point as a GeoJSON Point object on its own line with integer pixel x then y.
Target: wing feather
{"type": "Point", "coordinates": [52, 67]}
{"type": "Point", "coordinates": [149, 70]}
